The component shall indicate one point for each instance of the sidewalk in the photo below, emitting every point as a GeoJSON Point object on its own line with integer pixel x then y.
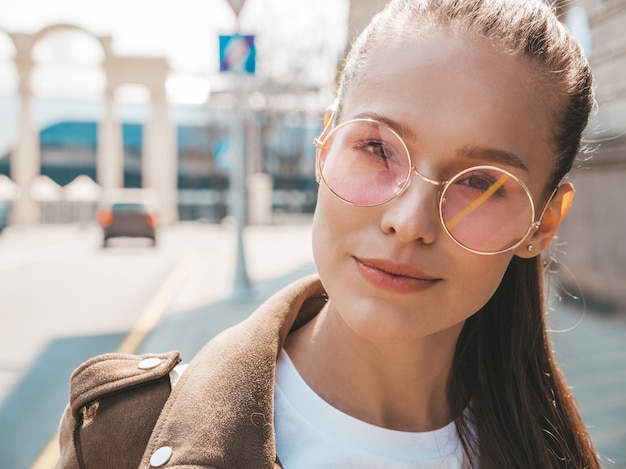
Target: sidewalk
{"type": "Point", "coordinates": [188, 331]}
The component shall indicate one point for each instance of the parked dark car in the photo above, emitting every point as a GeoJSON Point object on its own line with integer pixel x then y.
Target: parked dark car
{"type": "Point", "coordinates": [129, 213]}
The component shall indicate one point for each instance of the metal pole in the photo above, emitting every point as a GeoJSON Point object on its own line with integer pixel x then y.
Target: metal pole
{"type": "Point", "coordinates": [238, 199]}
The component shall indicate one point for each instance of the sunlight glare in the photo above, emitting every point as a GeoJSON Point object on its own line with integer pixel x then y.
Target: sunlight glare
{"type": "Point", "coordinates": [186, 89]}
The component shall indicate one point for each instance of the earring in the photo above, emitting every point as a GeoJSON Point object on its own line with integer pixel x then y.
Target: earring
{"type": "Point", "coordinates": [530, 248]}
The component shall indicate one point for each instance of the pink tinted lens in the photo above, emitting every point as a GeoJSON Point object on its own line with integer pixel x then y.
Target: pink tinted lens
{"type": "Point", "coordinates": [364, 163]}
{"type": "Point", "coordinates": [486, 210]}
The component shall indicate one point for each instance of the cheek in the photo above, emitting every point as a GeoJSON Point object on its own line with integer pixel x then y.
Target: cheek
{"type": "Point", "coordinates": [332, 217]}
{"type": "Point", "coordinates": [336, 227]}
{"type": "Point", "coordinates": [327, 228]}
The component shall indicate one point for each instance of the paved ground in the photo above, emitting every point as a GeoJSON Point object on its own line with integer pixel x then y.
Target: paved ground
{"type": "Point", "coordinates": [63, 299]}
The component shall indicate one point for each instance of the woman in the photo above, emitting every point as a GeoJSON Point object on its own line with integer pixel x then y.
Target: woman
{"type": "Point", "coordinates": [423, 342]}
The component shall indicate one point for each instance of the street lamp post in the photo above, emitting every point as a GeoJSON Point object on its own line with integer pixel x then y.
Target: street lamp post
{"type": "Point", "coordinates": [238, 205]}
{"type": "Point", "coordinates": [235, 54]}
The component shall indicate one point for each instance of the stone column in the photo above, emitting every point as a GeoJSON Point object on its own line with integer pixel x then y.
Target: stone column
{"type": "Point", "coordinates": [26, 157]}
{"type": "Point", "coordinates": [160, 158]}
{"type": "Point", "coordinates": [110, 153]}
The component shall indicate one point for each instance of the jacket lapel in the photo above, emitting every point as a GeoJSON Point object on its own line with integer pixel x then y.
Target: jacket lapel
{"type": "Point", "coordinates": [220, 414]}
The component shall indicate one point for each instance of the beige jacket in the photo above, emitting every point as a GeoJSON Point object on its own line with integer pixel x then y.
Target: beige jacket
{"type": "Point", "coordinates": [220, 414]}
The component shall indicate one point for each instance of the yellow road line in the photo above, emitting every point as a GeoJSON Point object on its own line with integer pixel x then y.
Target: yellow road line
{"type": "Point", "coordinates": [151, 315]}
{"type": "Point", "coordinates": [146, 322]}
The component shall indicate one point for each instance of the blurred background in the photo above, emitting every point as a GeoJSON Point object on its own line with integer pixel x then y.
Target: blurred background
{"type": "Point", "coordinates": [190, 124]}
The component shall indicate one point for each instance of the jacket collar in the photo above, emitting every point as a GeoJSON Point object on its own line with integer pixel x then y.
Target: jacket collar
{"type": "Point", "coordinates": [221, 412]}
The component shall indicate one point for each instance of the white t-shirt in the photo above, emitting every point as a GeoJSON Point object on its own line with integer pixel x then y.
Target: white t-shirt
{"type": "Point", "coordinates": [310, 433]}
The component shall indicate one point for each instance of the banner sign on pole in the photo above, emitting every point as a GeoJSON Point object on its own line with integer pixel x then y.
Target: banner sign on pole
{"type": "Point", "coordinates": [237, 54]}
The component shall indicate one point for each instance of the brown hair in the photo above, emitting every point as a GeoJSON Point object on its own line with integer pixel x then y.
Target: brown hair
{"type": "Point", "coordinates": [513, 407]}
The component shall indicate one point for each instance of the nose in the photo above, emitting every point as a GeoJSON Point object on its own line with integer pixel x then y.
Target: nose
{"type": "Point", "coordinates": [414, 214]}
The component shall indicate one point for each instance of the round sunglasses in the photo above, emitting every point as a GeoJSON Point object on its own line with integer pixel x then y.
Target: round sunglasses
{"type": "Point", "coordinates": [484, 209]}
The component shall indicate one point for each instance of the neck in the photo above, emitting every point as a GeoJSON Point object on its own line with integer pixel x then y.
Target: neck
{"type": "Point", "coordinates": [401, 386]}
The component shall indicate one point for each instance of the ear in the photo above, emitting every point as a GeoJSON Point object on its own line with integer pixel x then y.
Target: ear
{"type": "Point", "coordinates": [553, 215]}
{"type": "Point", "coordinates": [328, 115]}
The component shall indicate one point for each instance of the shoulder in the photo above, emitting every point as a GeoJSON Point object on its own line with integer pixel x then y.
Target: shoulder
{"type": "Point", "coordinates": [115, 401]}
{"type": "Point", "coordinates": [114, 372]}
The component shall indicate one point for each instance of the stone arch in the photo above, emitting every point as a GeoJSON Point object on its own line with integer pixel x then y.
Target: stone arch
{"type": "Point", "coordinates": [67, 65]}
{"type": "Point", "coordinates": [104, 41]}
{"type": "Point", "coordinates": [159, 146]}
{"type": "Point", "coordinates": [159, 159]}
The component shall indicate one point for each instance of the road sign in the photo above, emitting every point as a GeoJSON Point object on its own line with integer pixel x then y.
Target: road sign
{"type": "Point", "coordinates": [237, 54]}
{"type": "Point", "coordinates": [236, 5]}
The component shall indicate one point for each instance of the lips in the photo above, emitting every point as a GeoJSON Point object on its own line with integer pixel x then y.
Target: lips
{"type": "Point", "coordinates": [395, 277]}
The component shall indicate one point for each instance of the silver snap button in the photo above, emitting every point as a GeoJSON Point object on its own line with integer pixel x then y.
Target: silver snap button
{"type": "Point", "coordinates": [161, 456]}
{"type": "Point", "coordinates": [148, 363]}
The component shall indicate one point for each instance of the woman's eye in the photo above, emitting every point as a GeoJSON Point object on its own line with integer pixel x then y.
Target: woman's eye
{"type": "Point", "coordinates": [372, 147]}
{"type": "Point", "coordinates": [481, 182]}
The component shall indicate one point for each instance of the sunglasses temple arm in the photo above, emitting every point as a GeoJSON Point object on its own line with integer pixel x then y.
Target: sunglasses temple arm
{"type": "Point", "coordinates": [537, 223]}
{"type": "Point", "coordinates": [327, 128]}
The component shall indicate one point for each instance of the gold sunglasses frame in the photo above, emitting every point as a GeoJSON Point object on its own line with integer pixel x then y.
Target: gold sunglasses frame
{"type": "Point", "coordinates": [330, 129]}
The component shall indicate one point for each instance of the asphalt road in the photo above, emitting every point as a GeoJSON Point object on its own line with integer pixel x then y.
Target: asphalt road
{"type": "Point", "coordinates": [64, 299]}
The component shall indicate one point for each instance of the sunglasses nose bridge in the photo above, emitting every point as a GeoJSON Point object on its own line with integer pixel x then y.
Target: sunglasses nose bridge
{"type": "Point", "coordinates": [434, 182]}
{"type": "Point", "coordinates": [431, 182]}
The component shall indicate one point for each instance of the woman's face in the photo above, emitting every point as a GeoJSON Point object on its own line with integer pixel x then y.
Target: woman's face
{"type": "Point", "coordinates": [456, 104]}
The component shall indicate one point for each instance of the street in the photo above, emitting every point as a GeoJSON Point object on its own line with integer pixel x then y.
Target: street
{"type": "Point", "coordinates": [57, 281]}
{"type": "Point", "coordinates": [65, 299]}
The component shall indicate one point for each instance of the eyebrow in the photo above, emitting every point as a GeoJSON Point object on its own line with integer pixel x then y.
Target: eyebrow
{"type": "Point", "coordinates": [403, 130]}
{"type": "Point", "coordinates": [493, 155]}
